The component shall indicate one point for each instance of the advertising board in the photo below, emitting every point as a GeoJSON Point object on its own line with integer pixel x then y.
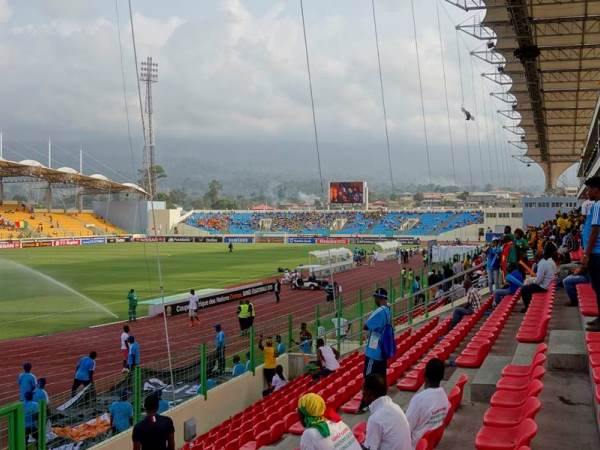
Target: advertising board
{"type": "Point", "coordinates": [10, 244]}
{"type": "Point", "coordinates": [330, 240]}
{"type": "Point", "coordinates": [93, 240]}
{"type": "Point", "coordinates": [65, 242]}
{"type": "Point", "coordinates": [222, 297]}
{"type": "Point", "coordinates": [301, 240]}
{"type": "Point", "coordinates": [179, 239]}
{"type": "Point", "coordinates": [208, 239]}
{"type": "Point", "coordinates": [239, 239]}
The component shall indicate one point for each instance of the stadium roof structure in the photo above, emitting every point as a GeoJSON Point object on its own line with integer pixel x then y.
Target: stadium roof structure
{"type": "Point", "coordinates": [29, 169]}
{"type": "Point", "coordinates": [546, 55]}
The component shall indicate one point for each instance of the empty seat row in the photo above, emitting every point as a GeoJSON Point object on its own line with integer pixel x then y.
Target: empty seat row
{"type": "Point", "coordinates": [537, 318]}
{"type": "Point", "coordinates": [413, 380]}
{"type": "Point", "coordinates": [587, 300]}
{"type": "Point", "coordinates": [592, 342]}
{"type": "Point", "coordinates": [509, 422]}
{"type": "Point", "coordinates": [480, 345]}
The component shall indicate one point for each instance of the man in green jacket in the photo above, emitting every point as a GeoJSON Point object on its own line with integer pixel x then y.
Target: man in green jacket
{"type": "Point", "coordinates": [132, 299]}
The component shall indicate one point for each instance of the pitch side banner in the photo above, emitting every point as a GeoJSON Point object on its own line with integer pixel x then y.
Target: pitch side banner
{"type": "Point", "coordinates": [10, 244]}
{"type": "Point", "coordinates": [224, 297]}
{"type": "Point", "coordinates": [239, 239]}
{"type": "Point", "coordinates": [334, 241]}
{"type": "Point", "coordinates": [36, 244]}
{"type": "Point", "coordinates": [208, 239]}
{"type": "Point", "coordinates": [301, 240]}
{"type": "Point", "coordinates": [65, 242]}
{"type": "Point", "coordinates": [94, 240]}
{"type": "Point", "coordinates": [179, 239]}
{"type": "Point", "coordinates": [149, 239]}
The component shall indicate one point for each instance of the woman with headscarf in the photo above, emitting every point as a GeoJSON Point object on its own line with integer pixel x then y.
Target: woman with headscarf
{"type": "Point", "coordinates": [324, 430]}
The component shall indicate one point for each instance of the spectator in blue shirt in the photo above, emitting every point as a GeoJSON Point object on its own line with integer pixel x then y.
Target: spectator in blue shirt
{"type": "Point", "coordinates": [280, 347]}
{"type": "Point", "coordinates": [163, 405]}
{"type": "Point", "coordinates": [492, 266]}
{"type": "Point", "coordinates": [591, 245]}
{"type": "Point", "coordinates": [238, 367]}
{"type": "Point", "coordinates": [121, 414]}
{"type": "Point", "coordinates": [220, 349]}
{"type": "Point", "coordinates": [247, 366]}
{"type": "Point", "coordinates": [26, 381]}
{"type": "Point", "coordinates": [375, 361]}
{"type": "Point", "coordinates": [40, 393]}
{"type": "Point", "coordinates": [133, 358]}
{"type": "Point", "coordinates": [84, 373]}
{"type": "Point", "coordinates": [514, 282]}
{"type": "Point", "coordinates": [31, 410]}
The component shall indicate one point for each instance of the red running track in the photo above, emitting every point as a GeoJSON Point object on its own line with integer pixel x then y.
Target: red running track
{"type": "Point", "coordinates": [55, 356]}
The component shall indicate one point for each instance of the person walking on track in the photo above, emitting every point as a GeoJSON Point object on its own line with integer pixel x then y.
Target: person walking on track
{"type": "Point", "coordinates": [277, 290]}
{"type": "Point", "coordinates": [125, 347]}
{"type": "Point", "coordinates": [193, 307]}
{"type": "Point", "coordinates": [133, 301]}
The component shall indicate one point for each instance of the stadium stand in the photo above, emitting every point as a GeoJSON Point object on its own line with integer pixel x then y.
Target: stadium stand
{"type": "Point", "coordinates": [20, 221]}
{"type": "Point", "coordinates": [322, 223]}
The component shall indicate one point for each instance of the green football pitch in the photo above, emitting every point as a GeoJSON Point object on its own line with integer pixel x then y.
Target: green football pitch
{"type": "Point", "coordinates": [46, 290]}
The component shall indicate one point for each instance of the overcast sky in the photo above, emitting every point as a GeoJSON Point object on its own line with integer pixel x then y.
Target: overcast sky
{"type": "Point", "coordinates": [233, 90]}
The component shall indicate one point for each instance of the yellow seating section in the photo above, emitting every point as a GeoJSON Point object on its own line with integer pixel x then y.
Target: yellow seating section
{"type": "Point", "coordinates": [55, 224]}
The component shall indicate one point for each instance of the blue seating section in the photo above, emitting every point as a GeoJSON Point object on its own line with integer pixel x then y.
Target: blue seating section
{"type": "Point", "coordinates": [319, 223]}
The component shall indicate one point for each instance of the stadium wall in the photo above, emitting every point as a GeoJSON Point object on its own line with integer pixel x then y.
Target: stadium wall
{"type": "Point", "coordinates": [222, 402]}
{"type": "Point", "coordinates": [129, 215]}
{"type": "Point", "coordinates": [537, 210]}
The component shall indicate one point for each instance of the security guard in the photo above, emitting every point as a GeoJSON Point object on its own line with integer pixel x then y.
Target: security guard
{"type": "Point", "coordinates": [244, 315]}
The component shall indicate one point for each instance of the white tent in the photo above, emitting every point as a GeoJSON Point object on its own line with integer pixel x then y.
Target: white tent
{"type": "Point", "coordinates": [331, 255]}
{"type": "Point", "coordinates": [386, 246]}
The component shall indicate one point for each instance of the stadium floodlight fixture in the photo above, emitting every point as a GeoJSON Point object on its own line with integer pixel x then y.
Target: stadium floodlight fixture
{"type": "Point", "coordinates": [149, 70]}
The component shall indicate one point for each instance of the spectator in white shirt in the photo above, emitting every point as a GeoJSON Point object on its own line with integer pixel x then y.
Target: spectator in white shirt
{"type": "Point", "coordinates": [546, 272]}
{"type": "Point", "coordinates": [387, 427]}
{"type": "Point", "coordinates": [327, 358]}
{"type": "Point", "coordinates": [125, 347]}
{"type": "Point", "coordinates": [427, 409]}
{"type": "Point", "coordinates": [193, 307]}
{"type": "Point", "coordinates": [277, 382]}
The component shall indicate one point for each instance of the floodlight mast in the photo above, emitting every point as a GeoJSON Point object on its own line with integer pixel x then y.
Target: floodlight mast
{"type": "Point", "coordinates": [149, 75]}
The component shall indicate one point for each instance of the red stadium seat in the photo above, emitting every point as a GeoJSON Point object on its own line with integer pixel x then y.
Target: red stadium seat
{"type": "Point", "coordinates": [519, 383]}
{"type": "Point", "coordinates": [360, 431]}
{"type": "Point", "coordinates": [514, 370]}
{"type": "Point", "coordinates": [433, 437]}
{"type": "Point", "coordinates": [262, 439]}
{"type": "Point", "coordinates": [491, 438]}
{"type": "Point", "coordinates": [462, 380]}
{"type": "Point", "coordinates": [510, 417]}
{"type": "Point", "coordinates": [422, 444]}
{"type": "Point", "coordinates": [512, 399]}
{"type": "Point", "coordinates": [297, 428]}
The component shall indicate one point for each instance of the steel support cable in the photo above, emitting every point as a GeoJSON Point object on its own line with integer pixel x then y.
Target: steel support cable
{"type": "Point", "coordinates": [124, 83]}
{"type": "Point", "coordinates": [450, 138]}
{"type": "Point", "coordinates": [414, 23]}
{"type": "Point", "coordinates": [158, 263]}
{"type": "Point", "coordinates": [385, 118]}
{"type": "Point", "coordinates": [477, 120]}
{"type": "Point", "coordinates": [462, 104]}
{"type": "Point", "coordinates": [312, 100]}
{"type": "Point", "coordinates": [487, 127]}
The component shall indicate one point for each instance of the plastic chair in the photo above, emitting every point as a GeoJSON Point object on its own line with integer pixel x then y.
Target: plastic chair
{"type": "Point", "coordinates": [514, 370]}
{"type": "Point", "coordinates": [422, 444]}
{"type": "Point", "coordinates": [518, 383]}
{"type": "Point", "coordinates": [360, 431]}
{"type": "Point", "coordinates": [434, 436]}
{"type": "Point", "coordinates": [492, 438]}
{"type": "Point", "coordinates": [512, 399]}
{"type": "Point", "coordinates": [510, 417]}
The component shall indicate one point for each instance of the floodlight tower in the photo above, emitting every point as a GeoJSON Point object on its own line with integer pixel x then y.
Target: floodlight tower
{"type": "Point", "coordinates": [149, 75]}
